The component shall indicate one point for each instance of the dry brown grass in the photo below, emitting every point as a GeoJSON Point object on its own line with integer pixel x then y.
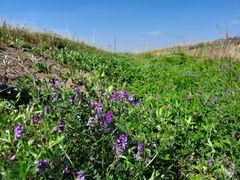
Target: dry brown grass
{"type": "Point", "coordinates": [224, 48]}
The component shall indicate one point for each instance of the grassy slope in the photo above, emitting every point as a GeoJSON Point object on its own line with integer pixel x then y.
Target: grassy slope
{"type": "Point", "coordinates": [222, 48]}
{"type": "Point", "coordinates": [158, 81]}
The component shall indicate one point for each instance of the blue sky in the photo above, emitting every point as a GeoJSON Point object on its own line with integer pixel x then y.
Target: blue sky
{"type": "Point", "coordinates": [137, 24]}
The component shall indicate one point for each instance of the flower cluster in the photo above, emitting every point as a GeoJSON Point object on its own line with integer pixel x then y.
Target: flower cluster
{"type": "Point", "coordinates": [121, 144]}
{"type": "Point", "coordinates": [59, 125]}
{"type": "Point", "coordinates": [230, 170]}
{"type": "Point", "coordinates": [71, 100]}
{"type": "Point", "coordinates": [139, 150]}
{"type": "Point", "coordinates": [54, 82]}
{"type": "Point", "coordinates": [42, 165]}
{"type": "Point", "coordinates": [37, 119]}
{"type": "Point", "coordinates": [123, 95]}
{"type": "Point", "coordinates": [80, 175]}
{"type": "Point", "coordinates": [46, 110]}
{"type": "Point", "coordinates": [67, 170]}
{"type": "Point", "coordinates": [77, 90]}
{"type": "Point", "coordinates": [211, 162]}
{"type": "Point", "coordinates": [107, 118]}
{"type": "Point", "coordinates": [18, 131]}
{"type": "Point", "coordinates": [97, 107]}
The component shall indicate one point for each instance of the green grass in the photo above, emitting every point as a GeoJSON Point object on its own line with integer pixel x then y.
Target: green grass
{"type": "Point", "coordinates": [202, 121]}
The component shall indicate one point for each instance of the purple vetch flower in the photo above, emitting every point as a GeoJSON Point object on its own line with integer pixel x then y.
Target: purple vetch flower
{"type": "Point", "coordinates": [37, 119]}
{"type": "Point", "coordinates": [60, 125]}
{"type": "Point", "coordinates": [130, 98]}
{"type": "Point", "coordinates": [11, 157]}
{"type": "Point", "coordinates": [114, 96]}
{"type": "Point", "coordinates": [211, 162]}
{"type": "Point", "coordinates": [124, 95]}
{"type": "Point", "coordinates": [18, 131]}
{"type": "Point", "coordinates": [98, 107]}
{"type": "Point", "coordinates": [147, 160]}
{"type": "Point", "coordinates": [77, 90]}
{"type": "Point", "coordinates": [139, 150]}
{"type": "Point", "coordinates": [54, 82]}
{"type": "Point", "coordinates": [230, 170]}
{"type": "Point", "coordinates": [90, 122]}
{"type": "Point", "coordinates": [168, 107]}
{"type": "Point", "coordinates": [223, 160]}
{"type": "Point", "coordinates": [80, 175]}
{"type": "Point", "coordinates": [42, 165]}
{"type": "Point", "coordinates": [121, 144]}
{"type": "Point", "coordinates": [108, 117]}
{"type": "Point", "coordinates": [46, 110]}
{"type": "Point", "coordinates": [54, 95]}
{"type": "Point", "coordinates": [222, 69]}
{"type": "Point", "coordinates": [71, 99]}
{"type": "Point", "coordinates": [67, 170]}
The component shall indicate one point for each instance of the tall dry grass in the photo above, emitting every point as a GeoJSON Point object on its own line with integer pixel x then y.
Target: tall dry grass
{"type": "Point", "coordinates": [224, 48]}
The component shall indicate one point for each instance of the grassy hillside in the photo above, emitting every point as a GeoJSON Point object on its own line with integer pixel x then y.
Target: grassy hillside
{"type": "Point", "coordinates": [106, 115]}
{"type": "Point", "coordinates": [222, 49]}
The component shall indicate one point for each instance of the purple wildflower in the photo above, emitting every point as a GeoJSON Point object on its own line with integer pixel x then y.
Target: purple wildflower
{"type": "Point", "coordinates": [124, 94]}
{"type": "Point", "coordinates": [121, 144]}
{"type": "Point", "coordinates": [223, 160]}
{"type": "Point", "coordinates": [67, 170]}
{"type": "Point", "coordinates": [222, 69]}
{"type": "Point", "coordinates": [71, 100]}
{"type": "Point", "coordinates": [60, 126]}
{"type": "Point", "coordinates": [139, 150]}
{"type": "Point", "coordinates": [211, 162]}
{"type": "Point", "coordinates": [54, 82]}
{"type": "Point", "coordinates": [108, 117]}
{"type": "Point", "coordinates": [54, 95]}
{"type": "Point", "coordinates": [11, 157]}
{"type": "Point", "coordinates": [90, 122]}
{"type": "Point", "coordinates": [168, 108]}
{"type": "Point", "coordinates": [78, 90]}
{"type": "Point", "coordinates": [18, 131]}
{"type": "Point", "coordinates": [46, 110]}
{"type": "Point", "coordinates": [114, 96]}
{"type": "Point", "coordinates": [98, 107]}
{"type": "Point", "coordinates": [80, 175]}
{"type": "Point", "coordinates": [230, 170]}
{"type": "Point", "coordinates": [42, 165]}
{"type": "Point", "coordinates": [147, 160]}
{"type": "Point", "coordinates": [130, 98]}
{"type": "Point", "coordinates": [36, 119]}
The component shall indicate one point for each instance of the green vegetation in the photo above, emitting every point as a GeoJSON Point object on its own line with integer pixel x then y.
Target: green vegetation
{"type": "Point", "coordinates": [141, 116]}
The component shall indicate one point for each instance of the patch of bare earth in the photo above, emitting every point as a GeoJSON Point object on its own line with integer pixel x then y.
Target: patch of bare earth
{"type": "Point", "coordinates": [14, 63]}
